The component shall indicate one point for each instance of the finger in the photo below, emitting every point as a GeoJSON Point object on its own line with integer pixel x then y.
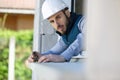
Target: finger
{"type": "Point", "coordinates": [32, 56]}
{"type": "Point", "coordinates": [46, 60]}
{"type": "Point", "coordinates": [30, 59]}
{"type": "Point", "coordinates": [41, 59]}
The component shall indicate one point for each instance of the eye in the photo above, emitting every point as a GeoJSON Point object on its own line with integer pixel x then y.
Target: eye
{"type": "Point", "coordinates": [51, 21]}
{"type": "Point", "coordinates": [58, 17]}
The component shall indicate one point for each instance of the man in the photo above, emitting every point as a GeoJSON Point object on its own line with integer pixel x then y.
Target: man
{"type": "Point", "coordinates": [69, 26]}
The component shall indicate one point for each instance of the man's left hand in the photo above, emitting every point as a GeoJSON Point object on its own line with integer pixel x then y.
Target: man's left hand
{"type": "Point", "coordinates": [51, 58]}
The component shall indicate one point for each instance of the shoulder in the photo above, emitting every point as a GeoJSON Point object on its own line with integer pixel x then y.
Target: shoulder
{"type": "Point", "coordinates": [60, 41]}
{"type": "Point", "coordinates": [81, 23]}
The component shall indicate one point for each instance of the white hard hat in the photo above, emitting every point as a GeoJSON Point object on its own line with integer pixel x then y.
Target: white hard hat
{"type": "Point", "coordinates": [50, 7]}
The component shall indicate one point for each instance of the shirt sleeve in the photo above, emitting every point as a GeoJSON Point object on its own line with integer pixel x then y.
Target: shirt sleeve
{"type": "Point", "coordinates": [58, 48]}
{"type": "Point", "coordinates": [78, 45]}
{"type": "Point", "coordinates": [74, 49]}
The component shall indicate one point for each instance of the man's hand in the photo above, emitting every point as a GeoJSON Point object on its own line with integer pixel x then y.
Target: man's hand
{"type": "Point", "coordinates": [44, 58]}
{"type": "Point", "coordinates": [33, 58]}
{"type": "Point", "coordinates": [51, 58]}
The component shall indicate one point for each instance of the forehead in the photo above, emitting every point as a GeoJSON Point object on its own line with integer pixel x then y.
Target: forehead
{"type": "Point", "coordinates": [53, 16]}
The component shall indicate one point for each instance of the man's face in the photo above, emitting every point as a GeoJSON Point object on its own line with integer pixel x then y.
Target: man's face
{"type": "Point", "coordinates": [59, 22]}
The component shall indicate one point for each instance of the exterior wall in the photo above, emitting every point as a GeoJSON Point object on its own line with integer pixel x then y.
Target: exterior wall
{"type": "Point", "coordinates": [11, 22]}
{"type": "Point", "coordinates": [25, 22]}
{"type": "Point", "coordinates": [18, 21]}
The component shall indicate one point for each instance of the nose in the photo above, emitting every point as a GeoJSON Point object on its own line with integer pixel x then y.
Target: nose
{"type": "Point", "coordinates": [57, 23]}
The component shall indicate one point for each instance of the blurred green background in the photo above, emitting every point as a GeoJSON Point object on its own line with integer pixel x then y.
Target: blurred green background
{"type": "Point", "coordinates": [23, 49]}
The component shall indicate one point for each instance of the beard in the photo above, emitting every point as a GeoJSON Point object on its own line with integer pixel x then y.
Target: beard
{"type": "Point", "coordinates": [66, 26]}
{"type": "Point", "coordinates": [62, 28]}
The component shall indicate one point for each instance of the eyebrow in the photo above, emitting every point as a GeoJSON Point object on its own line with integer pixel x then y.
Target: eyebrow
{"type": "Point", "coordinates": [57, 14]}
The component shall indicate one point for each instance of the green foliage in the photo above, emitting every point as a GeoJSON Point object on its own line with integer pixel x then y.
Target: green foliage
{"type": "Point", "coordinates": [23, 50]}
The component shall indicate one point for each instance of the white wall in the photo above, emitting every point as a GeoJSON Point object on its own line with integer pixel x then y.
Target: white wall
{"type": "Point", "coordinates": [103, 39]}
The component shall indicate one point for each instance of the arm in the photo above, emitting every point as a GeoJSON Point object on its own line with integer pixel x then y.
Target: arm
{"type": "Point", "coordinates": [78, 45]}
{"type": "Point", "coordinates": [57, 49]}
{"type": "Point", "coordinates": [61, 52]}
{"type": "Point", "coordinates": [74, 49]}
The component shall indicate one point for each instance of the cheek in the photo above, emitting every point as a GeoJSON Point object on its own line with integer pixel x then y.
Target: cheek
{"type": "Point", "coordinates": [54, 26]}
{"type": "Point", "coordinates": [65, 23]}
{"type": "Point", "coordinates": [62, 22]}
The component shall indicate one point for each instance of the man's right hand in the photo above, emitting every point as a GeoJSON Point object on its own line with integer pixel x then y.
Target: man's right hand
{"type": "Point", "coordinates": [32, 58]}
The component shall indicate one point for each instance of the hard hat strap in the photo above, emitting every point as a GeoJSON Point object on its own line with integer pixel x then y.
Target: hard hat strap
{"type": "Point", "coordinates": [69, 21]}
{"type": "Point", "coordinates": [65, 13]}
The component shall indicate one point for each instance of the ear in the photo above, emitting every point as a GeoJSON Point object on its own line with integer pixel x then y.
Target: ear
{"type": "Point", "coordinates": [67, 13]}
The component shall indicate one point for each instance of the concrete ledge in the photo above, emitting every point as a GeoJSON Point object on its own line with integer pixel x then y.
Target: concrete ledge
{"type": "Point", "coordinates": [58, 71]}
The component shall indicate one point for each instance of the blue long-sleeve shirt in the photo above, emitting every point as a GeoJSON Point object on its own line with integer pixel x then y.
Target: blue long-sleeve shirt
{"type": "Point", "coordinates": [73, 49]}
